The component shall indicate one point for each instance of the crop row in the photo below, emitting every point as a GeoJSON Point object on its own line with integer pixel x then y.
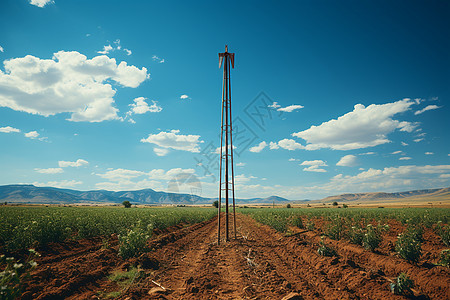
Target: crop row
{"type": "Point", "coordinates": [24, 227]}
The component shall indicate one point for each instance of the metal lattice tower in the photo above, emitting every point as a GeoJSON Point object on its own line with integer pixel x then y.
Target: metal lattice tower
{"type": "Point", "coordinates": [226, 182]}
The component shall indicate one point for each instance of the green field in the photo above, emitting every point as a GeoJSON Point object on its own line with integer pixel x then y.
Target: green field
{"type": "Point", "coordinates": [23, 227]}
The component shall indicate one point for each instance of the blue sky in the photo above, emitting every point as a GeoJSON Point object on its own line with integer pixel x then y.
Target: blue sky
{"type": "Point", "coordinates": [328, 97]}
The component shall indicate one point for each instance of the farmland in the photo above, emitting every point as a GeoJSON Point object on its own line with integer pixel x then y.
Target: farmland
{"type": "Point", "coordinates": [327, 253]}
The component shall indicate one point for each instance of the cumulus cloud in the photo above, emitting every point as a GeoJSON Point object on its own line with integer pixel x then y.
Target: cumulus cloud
{"type": "Point", "coordinates": [294, 159]}
{"type": "Point", "coordinates": [140, 107]}
{"type": "Point", "coordinates": [120, 179]}
{"type": "Point", "coordinates": [67, 83]}
{"type": "Point", "coordinates": [40, 3]}
{"type": "Point", "coordinates": [429, 153]}
{"type": "Point", "coordinates": [405, 158]}
{"type": "Point", "coordinates": [367, 153]}
{"type": "Point", "coordinates": [429, 107]}
{"type": "Point", "coordinates": [290, 145]}
{"type": "Point", "coordinates": [289, 108]}
{"type": "Point", "coordinates": [241, 164]}
{"type": "Point", "coordinates": [9, 129]}
{"type": "Point", "coordinates": [184, 97]}
{"type": "Point", "coordinates": [314, 166]}
{"type": "Point", "coordinates": [418, 140]}
{"type": "Point", "coordinates": [1, 49]}
{"type": "Point", "coordinates": [404, 144]}
{"type": "Point", "coordinates": [347, 161]}
{"type": "Point", "coordinates": [273, 146]}
{"type": "Point", "coordinates": [78, 163]}
{"type": "Point", "coordinates": [361, 128]}
{"type": "Point", "coordinates": [173, 140]}
{"type": "Point", "coordinates": [32, 134]}
{"type": "Point", "coordinates": [106, 49]}
{"type": "Point", "coordinates": [259, 147]}
{"type": "Point", "coordinates": [49, 170]}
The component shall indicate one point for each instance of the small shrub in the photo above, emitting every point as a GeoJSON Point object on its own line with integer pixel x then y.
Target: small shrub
{"type": "Point", "coordinates": [356, 235]}
{"type": "Point", "coordinates": [444, 258]}
{"type": "Point", "coordinates": [402, 285]}
{"type": "Point", "coordinates": [344, 205]}
{"type": "Point", "coordinates": [216, 204]}
{"type": "Point", "coordinates": [372, 237]}
{"type": "Point", "coordinates": [298, 222]}
{"type": "Point", "coordinates": [133, 243]}
{"type": "Point", "coordinates": [288, 205]}
{"type": "Point", "coordinates": [325, 250]}
{"type": "Point", "coordinates": [335, 203]}
{"type": "Point", "coordinates": [408, 247]}
{"type": "Point", "coordinates": [126, 204]}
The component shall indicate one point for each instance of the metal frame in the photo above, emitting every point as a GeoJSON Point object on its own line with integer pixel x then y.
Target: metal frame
{"type": "Point", "coordinates": [226, 129]}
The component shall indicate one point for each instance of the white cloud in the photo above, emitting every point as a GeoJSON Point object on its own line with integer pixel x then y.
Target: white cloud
{"type": "Point", "coordinates": [418, 140]}
{"type": "Point", "coordinates": [60, 184]}
{"type": "Point", "coordinates": [289, 108]}
{"type": "Point", "coordinates": [290, 145]}
{"type": "Point", "coordinates": [259, 147]}
{"type": "Point", "coordinates": [367, 153]}
{"type": "Point", "coordinates": [49, 170]}
{"type": "Point", "coordinates": [40, 3]}
{"type": "Point", "coordinates": [106, 49]}
{"type": "Point", "coordinates": [429, 153]}
{"type": "Point", "coordinates": [173, 140]}
{"type": "Point", "coordinates": [273, 146]}
{"type": "Point", "coordinates": [294, 159]}
{"type": "Point", "coordinates": [32, 134]}
{"type": "Point", "coordinates": [429, 107]}
{"type": "Point", "coordinates": [347, 161]}
{"type": "Point", "coordinates": [79, 163]}
{"type": "Point", "coordinates": [67, 83]}
{"type": "Point", "coordinates": [1, 49]}
{"type": "Point", "coordinates": [127, 51]}
{"type": "Point", "coordinates": [217, 151]}
{"type": "Point", "coordinates": [241, 178]}
{"type": "Point", "coordinates": [241, 164]}
{"type": "Point", "coordinates": [141, 107]}
{"type": "Point", "coordinates": [184, 97]}
{"type": "Point", "coordinates": [361, 128]}
{"type": "Point", "coordinates": [161, 151]}
{"type": "Point", "coordinates": [397, 152]}
{"type": "Point", "coordinates": [405, 158]}
{"type": "Point", "coordinates": [123, 179]}
{"type": "Point", "coordinates": [158, 59]}
{"type": "Point", "coordinates": [314, 166]}
{"type": "Point", "coordinates": [404, 144]}
{"type": "Point", "coordinates": [9, 129]}
{"type": "Point", "coordinates": [274, 105]}
{"type": "Point", "coordinates": [444, 176]}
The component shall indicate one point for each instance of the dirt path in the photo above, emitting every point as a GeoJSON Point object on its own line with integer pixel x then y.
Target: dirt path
{"type": "Point", "coordinates": [260, 264]}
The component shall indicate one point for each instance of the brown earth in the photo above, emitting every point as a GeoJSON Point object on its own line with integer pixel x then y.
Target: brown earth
{"type": "Point", "coordinates": [187, 263]}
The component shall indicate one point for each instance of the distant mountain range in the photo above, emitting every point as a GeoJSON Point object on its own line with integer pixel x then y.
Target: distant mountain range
{"type": "Point", "coordinates": [430, 195]}
{"type": "Point", "coordinates": [31, 194]}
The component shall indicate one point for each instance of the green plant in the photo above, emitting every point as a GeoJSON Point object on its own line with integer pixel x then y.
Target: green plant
{"type": "Point", "coordinates": [344, 205]}
{"type": "Point", "coordinates": [444, 258]}
{"type": "Point", "coordinates": [324, 249]}
{"type": "Point", "coordinates": [298, 222]}
{"type": "Point", "coordinates": [372, 237]}
{"type": "Point", "coordinates": [444, 233]}
{"type": "Point", "coordinates": [13, 275]}
{"type": "Point", "coordinates": [335, 203]}
{"type": "Point", "coordinates": [356, 235]}
{"type": "Point", "coordinates": [133, 243]}
{"type": "Point", "coordinates": [408, 247]}
{"type": "Point", "coordinates": [416, 231]}
{"type": "Point", "coordinates": [288, 205]}
{"type": "Point", "coordinates": [216, 204]}
{"type": "Point", "coordinates": [335, 229]}
{"type": "Point", "coordinates": [402, 285]}
{"type": "Point", "coordinates": [310, 225]}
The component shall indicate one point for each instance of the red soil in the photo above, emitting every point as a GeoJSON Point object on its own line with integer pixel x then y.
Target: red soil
{"type": "Point", "coordinates": [260, 264]}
